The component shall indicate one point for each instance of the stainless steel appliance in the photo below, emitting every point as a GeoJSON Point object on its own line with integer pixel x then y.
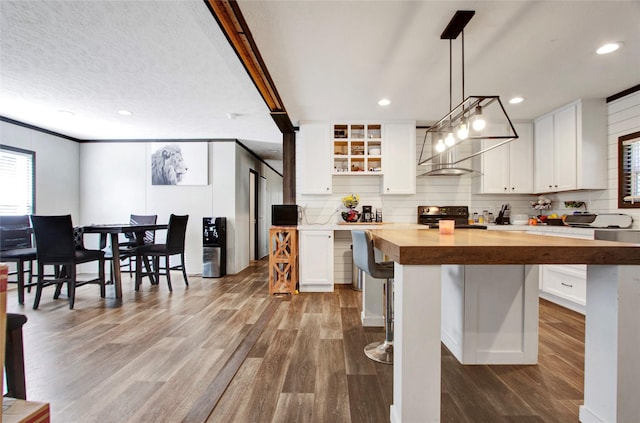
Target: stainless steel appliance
{"type": "Point", "coordinates": [604, 220]}
{"type": "Point", "coordinates": [432, 215]}
{"type": "Point", "coordinates": [214, 247]}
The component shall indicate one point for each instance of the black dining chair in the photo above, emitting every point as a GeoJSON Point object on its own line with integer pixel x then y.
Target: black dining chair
{"type": "Point", "coordinates": [16, 247]}
{"type": "Point", "coordinates": [56, 246]}
{"type": "Point", "coordinates": [127, 248]}
{"type": "Point", "coordinates": [176, 233]}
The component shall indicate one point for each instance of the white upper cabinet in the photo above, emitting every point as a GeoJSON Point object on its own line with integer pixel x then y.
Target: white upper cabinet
{"type": "Point", "coordinates": [570, 148]}
{"type": "Point", "coordinates": [399, 157]}
{"type": "Point", "coordinates": [507, 169]}
{"type": "Point", "coordinates": [315, 155]}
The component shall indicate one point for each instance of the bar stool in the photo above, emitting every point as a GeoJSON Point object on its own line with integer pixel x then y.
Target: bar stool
{"type": "Point", "coordinates": [364, 258]}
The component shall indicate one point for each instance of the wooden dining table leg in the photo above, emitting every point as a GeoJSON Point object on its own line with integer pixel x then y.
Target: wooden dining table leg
{"type": "Point", "coordinates": [117, 276]}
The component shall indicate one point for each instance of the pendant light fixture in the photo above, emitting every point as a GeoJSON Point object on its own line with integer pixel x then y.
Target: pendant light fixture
{"type": "Point", "coordinates": [468, 120]}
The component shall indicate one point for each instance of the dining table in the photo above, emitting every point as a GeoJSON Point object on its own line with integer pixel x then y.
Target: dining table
{"type": "Point", "coordinates": [612, 338]}
{"type": "Point", "coordinates": [114, 230]}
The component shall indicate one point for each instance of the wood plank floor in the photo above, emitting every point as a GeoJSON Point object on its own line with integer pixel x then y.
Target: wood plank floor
{"type": "Point", "coordinates": [222, 350]}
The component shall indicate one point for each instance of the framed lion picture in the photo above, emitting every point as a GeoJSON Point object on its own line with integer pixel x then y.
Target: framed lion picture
{"type": "Point", "coordinates": [179, 163]}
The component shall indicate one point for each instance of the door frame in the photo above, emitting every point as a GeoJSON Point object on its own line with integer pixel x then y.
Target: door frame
{"type": "Point", "coordinates": [253, 202]}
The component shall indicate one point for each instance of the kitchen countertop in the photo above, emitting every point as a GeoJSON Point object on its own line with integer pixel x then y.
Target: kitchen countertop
{"type": "Point", "coordinates": [343, 226]}
{"type": "Point", "coordinates": [472, 246]}
{"type": "Point", "coordinates": [569, 230]}
{"type": "Point", "coordinates": [537, 229]}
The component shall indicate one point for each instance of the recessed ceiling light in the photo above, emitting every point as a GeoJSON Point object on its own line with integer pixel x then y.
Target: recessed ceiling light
{"type": "Point", "coordinates": [124, 112]}
{"type": "Point", "coordinates": [384, 102]}
{"type": "Point", "coordinates": [608, 48]}
{"type": "Point", "coordinates": [516, 100]}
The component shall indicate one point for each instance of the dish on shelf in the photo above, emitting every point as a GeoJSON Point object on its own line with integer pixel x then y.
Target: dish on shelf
{"type": "Point", "coordinates": [520, 219]}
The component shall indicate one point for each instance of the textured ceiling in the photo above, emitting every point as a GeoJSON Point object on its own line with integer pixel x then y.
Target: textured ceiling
{"type": "Point", "coordinates": [169, 64]}
{"type": "Point", "coordinates": [165, 61]}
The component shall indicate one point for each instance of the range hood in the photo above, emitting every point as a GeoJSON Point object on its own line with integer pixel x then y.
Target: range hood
{"type": "Point", "coordinates": [463, 133]}
{"type": "Point", "coordinates": [445, 164]}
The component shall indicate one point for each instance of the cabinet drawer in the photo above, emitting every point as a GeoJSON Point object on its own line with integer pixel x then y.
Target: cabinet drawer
{"type": "Point", "coordinates": [569, 282]}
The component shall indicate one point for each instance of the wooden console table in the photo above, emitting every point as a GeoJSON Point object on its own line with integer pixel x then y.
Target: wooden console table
{"type": "Point", "coordinates": [283, 259]}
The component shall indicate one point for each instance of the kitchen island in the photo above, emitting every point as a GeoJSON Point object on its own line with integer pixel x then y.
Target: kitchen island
{"type": "Point", "coordinates": [612, 340]}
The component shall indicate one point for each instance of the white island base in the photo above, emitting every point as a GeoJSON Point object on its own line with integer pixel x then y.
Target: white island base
{"type": "Point", "coordinates": [612, 342]}
{"type": "Point", "coordinates": [490, 313]}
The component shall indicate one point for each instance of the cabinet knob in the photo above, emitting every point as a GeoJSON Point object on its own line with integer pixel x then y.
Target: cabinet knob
{"type": "Point", "coordinates": [505, 188]}
{"type": "Point", "coordinates": [387, 188]}
{"type": "Point", "coordinates": [513, 188]}
{"type": "Point", "coordinates": [327, 188]}
{"type": "Point", "coordinates": [550, 186]}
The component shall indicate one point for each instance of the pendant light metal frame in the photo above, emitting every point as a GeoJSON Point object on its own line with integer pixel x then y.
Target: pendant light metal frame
{"type": "Point", "coordinates": [443, 163]}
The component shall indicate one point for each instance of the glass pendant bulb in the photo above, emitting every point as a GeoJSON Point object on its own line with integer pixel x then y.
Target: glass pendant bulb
{"type": "Point", "coordinates": [449, 140]}
{"type": "Point", "coordinates": [440, 147]}
{"type": "Point", "coordinates": [478, 122]}
{"type": "Point", "coordinates": [463, 130]}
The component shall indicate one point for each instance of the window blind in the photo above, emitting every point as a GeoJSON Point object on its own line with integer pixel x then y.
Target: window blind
{"type": "Point", "coordinates": [17, 181]}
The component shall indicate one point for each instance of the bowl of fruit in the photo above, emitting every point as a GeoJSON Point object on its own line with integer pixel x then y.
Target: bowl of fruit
{"type": "Point", "coordinates": [351, 215]}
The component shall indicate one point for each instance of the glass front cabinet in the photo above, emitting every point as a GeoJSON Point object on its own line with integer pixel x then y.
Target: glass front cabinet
{"type": "Point", "coordinates": [357, 149]}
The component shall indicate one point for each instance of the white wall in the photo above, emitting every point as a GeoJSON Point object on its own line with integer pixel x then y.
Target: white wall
{"type": "Point", "coordinates": [57, 168]}
{"type": "Point", "coordinates": [115, 182]}
{"type": "Point", "coordinates": [244, 162]}
{"type": "Point", "coordinates": [624, 119]}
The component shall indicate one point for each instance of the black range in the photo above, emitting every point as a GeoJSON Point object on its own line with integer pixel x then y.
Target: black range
{"type": "Point", "coordinates": [432, 215]}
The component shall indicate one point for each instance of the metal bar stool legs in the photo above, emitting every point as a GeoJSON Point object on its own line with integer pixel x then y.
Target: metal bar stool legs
{"type": "Point", "coordinates": [382, 352]}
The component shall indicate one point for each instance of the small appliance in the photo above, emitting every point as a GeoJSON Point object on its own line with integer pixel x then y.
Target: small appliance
{"type": "Point", "coordinates": [367, 215]}
{"type": "Point", "coordinates": [284, 215]}
{"type": "Point", "coordinates": [432, 215]}
{"type": "Point", "coordinates": [604, 220]}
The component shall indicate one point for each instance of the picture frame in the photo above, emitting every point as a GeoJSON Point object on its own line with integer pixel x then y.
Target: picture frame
{"type": "Point", "coordinates": [179, 163]}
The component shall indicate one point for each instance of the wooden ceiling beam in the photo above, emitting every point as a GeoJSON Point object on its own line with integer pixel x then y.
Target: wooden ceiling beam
{"type": "Point", "coordinates": [235, 28]}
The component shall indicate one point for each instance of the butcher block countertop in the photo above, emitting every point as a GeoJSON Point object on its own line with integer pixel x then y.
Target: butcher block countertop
{"type": "Point", "coordinates": [472, 246]}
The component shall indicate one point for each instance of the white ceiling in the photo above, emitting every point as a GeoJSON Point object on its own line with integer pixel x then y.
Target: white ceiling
{"type": "Point", "coordinates": [169, 64]}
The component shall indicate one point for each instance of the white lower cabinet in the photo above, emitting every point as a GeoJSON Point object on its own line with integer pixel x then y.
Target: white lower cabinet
{"type": "Point", "coordinates": [565, 285]}
{"type": "Point", "coordinates": [315, 248]}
